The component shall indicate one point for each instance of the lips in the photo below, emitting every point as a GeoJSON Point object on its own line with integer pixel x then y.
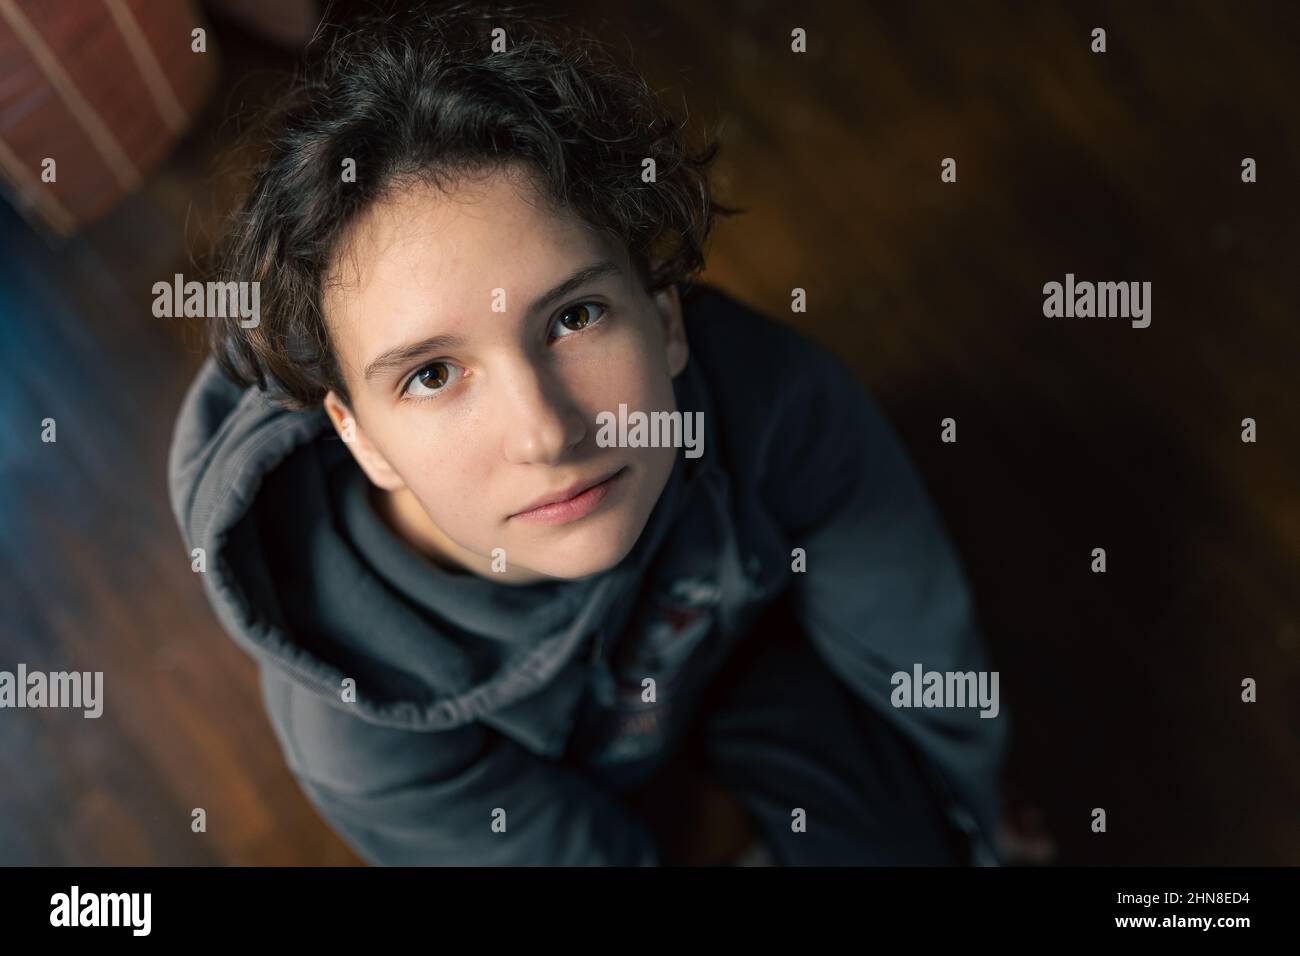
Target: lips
{"type": "Point", "coordinates": [573, 502]}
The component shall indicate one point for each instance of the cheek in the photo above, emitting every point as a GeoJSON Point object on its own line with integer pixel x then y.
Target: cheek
{"type": "Point", "coordinates": [452, 499]}
{"type": "Point", "coordinates": [633, 373]}
{"type": "Point", "coordinates": [441, 462]}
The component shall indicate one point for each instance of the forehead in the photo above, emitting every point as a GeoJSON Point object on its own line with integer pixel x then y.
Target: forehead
{"type": "Point", "coordinates": [423, 250]}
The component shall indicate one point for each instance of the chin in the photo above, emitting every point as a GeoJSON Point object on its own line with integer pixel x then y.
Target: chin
{"type": "Point", "coordinates": [586, 551]}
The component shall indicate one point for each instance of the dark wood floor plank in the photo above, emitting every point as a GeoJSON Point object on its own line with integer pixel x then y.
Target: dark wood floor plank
{"type": "Point", "coordinates": [1073, 433]}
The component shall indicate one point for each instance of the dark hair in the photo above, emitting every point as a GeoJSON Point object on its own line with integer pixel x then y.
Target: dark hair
{"type": "Point", "coordinates": [422, 95]}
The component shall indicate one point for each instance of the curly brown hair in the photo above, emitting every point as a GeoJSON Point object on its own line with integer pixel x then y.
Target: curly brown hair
{"type": "Point", "coordinates": [422, 95]}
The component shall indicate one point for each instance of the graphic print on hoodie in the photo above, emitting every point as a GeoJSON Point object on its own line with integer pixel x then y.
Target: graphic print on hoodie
{"type": "Point", "coordinates": [471, 695]}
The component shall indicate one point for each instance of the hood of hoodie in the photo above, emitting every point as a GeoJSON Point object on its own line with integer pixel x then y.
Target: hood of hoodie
{"type": "Point", "coordinates": [264, 493]}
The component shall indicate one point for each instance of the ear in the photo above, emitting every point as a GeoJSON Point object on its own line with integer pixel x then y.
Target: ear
{"type": "Point", "coordinates": [668, 303]}
{"type": "Point", "coordinates": [372, 462]}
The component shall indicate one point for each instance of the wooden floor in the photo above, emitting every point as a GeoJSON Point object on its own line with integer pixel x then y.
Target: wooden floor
{"type": "Point", "coordinates": [1073, 433]}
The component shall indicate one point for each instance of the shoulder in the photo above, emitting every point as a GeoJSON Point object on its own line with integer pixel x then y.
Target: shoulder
{"type": "Point", "coordinates": [725, 331]}
{"type": "Point", "coordinates": [770, 388]}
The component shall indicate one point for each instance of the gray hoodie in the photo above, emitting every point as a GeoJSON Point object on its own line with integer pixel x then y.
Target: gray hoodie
{"type": "Point", "coordinates": [419, 709]}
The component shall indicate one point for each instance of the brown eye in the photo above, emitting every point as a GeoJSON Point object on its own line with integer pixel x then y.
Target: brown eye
{"type": "Point", "coordinates": [433, 376]}
{"type": "Point", "coordinates": [429, 380]}
{"type": "Point", "coordinates": [580, 317]}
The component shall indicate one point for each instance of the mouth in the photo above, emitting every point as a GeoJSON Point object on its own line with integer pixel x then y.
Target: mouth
{"type": "Point", "coordinates": [576, 501]}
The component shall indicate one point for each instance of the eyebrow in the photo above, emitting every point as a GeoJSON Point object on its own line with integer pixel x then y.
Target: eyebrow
{"type": "Point", "coordinates": [399, 356]}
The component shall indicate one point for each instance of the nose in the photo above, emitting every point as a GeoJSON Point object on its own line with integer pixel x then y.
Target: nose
{"type": "Point", "coordinates": [542, 424]}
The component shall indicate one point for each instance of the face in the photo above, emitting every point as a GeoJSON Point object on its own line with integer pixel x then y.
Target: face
{"type": "Point", "coordinates": [481, 333]}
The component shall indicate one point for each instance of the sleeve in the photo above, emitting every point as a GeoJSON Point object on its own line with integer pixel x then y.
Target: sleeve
{"type": "Point", "coordinates": [883, 589]}
{"type": "Point", "coordinates": [410, 798]}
